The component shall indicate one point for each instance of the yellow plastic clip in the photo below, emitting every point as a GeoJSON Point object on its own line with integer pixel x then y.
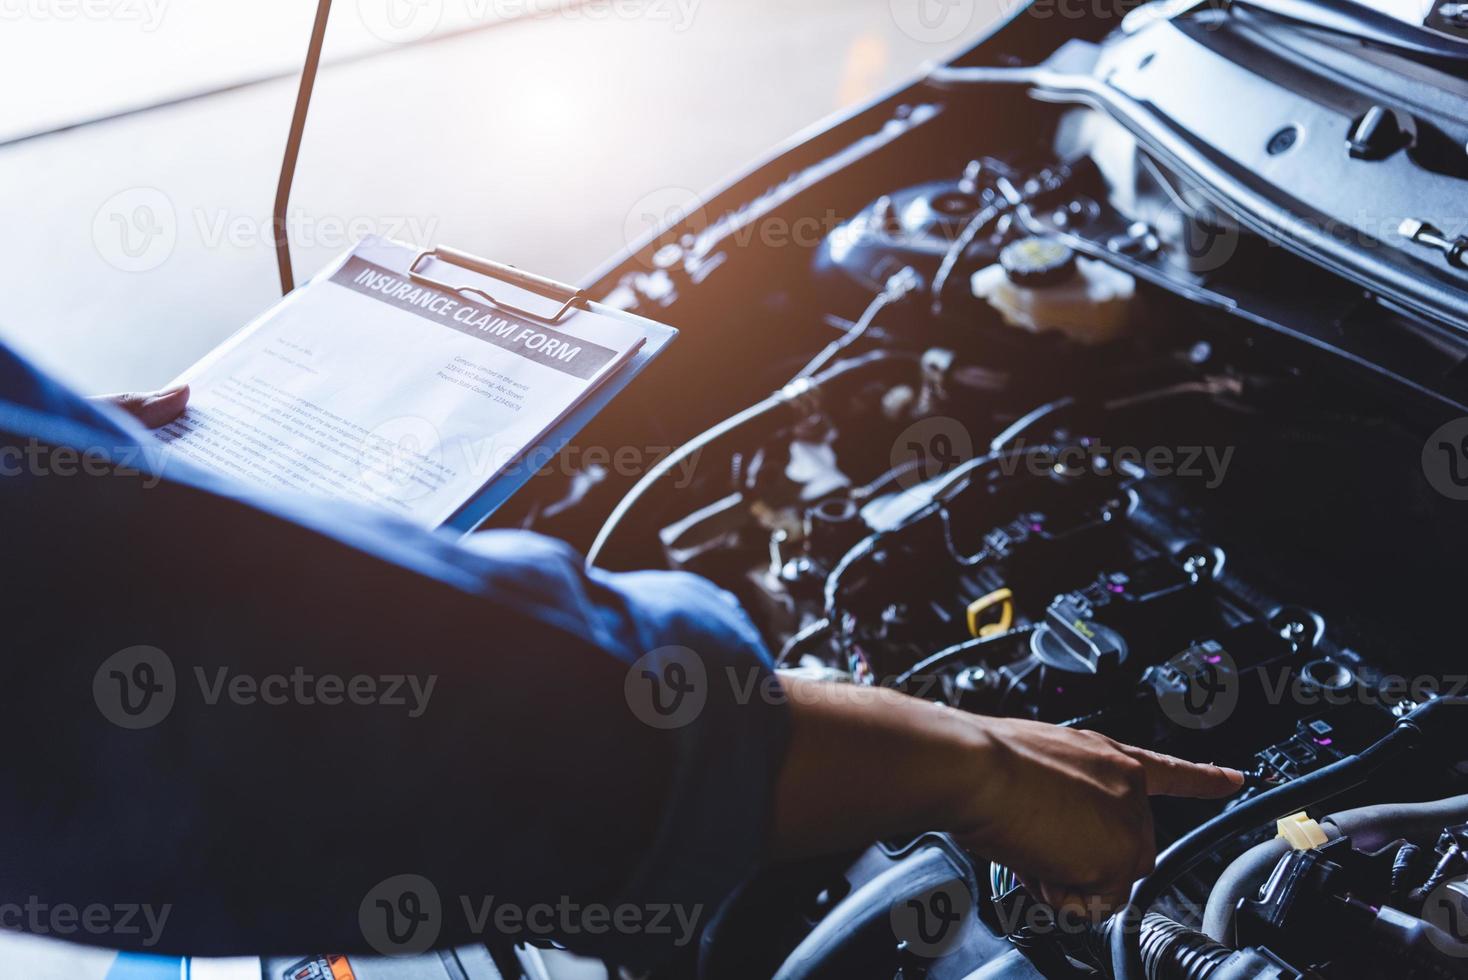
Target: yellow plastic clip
{"type": "Point", "coordinates": [1300, 832]}
{"type": "Point", "coordinates": [1004, 599]}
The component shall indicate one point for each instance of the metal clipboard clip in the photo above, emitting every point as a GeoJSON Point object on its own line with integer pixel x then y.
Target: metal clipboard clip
{"type": "Point", "coordinates": [569, 297]}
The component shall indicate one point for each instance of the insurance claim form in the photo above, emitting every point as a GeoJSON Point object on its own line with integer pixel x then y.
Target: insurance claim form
{"type": "Point", "coordinates": [368, 385]}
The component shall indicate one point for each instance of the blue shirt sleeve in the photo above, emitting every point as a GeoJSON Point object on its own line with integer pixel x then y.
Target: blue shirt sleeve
{"type": "Point", "coordinates": [260, 711]}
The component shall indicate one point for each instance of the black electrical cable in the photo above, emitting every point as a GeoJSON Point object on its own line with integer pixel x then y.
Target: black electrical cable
{"type": "Point", "coordinates": [950, 486]}
{"type": "Point", "coordinates": [1010, 197]}
{"type": "Point", "coordinates": [1437, 722]}
{"type": "Point", "coordinates": [1029, 420]}
{"type": "Point", "coordinates": [799, 641]}
{"type": "Point", "coordinates": [793, 393]}
{"type": "Point", "coordinates": [983, 219]}
{"type": "Point", "coordinates": [732, 424]}
{"type": "Point", "coordinates": [887, 479]}
{"type": "Point", "coordinates": [858, 554]}
{"type": "Point", "coordinates": [868, 545]}
{"type": "Point", "coordinates": [900, 285]}
{"type": "Point", "coordinates": [959, 478]}
{"type": "Point", "coordinates": [957, 651]}
{"type": "Point", "coordinates": [961, 560]}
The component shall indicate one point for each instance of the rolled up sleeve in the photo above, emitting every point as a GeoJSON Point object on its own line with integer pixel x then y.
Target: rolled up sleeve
{"type": "Point", "coordinates": [699, 674]}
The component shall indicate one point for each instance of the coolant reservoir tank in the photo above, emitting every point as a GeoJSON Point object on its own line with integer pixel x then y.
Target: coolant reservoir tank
{"type": "Point", "coordinates": [1040, 284]}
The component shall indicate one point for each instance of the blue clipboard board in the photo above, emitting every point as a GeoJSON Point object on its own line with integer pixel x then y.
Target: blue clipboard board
{"type": "Point", "coordinates": [488, 280]}
{"type": "Point", "coordinates": [510, 481]}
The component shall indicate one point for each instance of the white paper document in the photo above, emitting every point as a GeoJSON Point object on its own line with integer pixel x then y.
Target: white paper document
{"type": "Point", "coordinates": [370, 386]}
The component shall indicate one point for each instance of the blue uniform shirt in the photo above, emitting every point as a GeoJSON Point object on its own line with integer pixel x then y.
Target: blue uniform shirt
{"type": "Point", "coordinates": [269, 713]}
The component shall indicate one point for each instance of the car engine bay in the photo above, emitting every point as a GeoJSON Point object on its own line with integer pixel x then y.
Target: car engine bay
{"type": "Point", "coordinates": [1057, 432]}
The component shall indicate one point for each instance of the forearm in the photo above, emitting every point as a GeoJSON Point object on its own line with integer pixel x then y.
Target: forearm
{"type": "Point", "coordinates": [866, 763]}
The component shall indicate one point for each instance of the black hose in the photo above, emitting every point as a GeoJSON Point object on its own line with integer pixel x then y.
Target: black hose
{"type": "Point", "coordinates": [948, 486]}
{"type": "Point", "coordinates": [1029, 420]}
{"type": "Point", "coordinates": [795, 393]}
{"type": "Point", "coordinates": [1403, 865]}
{"type": "Point", "coordinates": [898, 287]}
{"type": "Point", "coordinates": [1010, 197]}
{"type": "Point", "coordinates": [970, 233]}
{"type": "Point", "coordinates": [817, 630]}
{"type": "Point", "coordinates": [1172, 951]}
{"type": "Point", "coordinates": [943, 657]}
{"type": "Point", "coordinates": [1436, 722]}
{"type": "Point", "coordinates": [1369, 827]}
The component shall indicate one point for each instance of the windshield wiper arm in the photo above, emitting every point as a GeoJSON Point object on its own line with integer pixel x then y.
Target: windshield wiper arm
{"type": "Point", "coordinates": [1366, 24]}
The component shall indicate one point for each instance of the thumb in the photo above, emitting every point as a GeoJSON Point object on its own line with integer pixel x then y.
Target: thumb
{"type": "Point", "coordinates": [152, 408]}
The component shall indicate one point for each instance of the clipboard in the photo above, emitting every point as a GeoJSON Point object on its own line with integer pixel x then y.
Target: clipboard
{"type": "Point", "coordinates": [478, 277]}
{"type": "Point", "coordinates": [491, 284]}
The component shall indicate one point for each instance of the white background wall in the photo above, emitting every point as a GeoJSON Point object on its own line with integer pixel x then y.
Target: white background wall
{"type": "Point", "coordinates": [133, 245]}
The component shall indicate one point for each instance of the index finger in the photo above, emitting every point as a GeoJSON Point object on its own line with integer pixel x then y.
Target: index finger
{"type": "Point", "coordinates": [1170, 776]}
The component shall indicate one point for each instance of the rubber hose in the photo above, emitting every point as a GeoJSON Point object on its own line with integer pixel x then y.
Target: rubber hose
{"type": "Point", "coordinates": [1192, 848]}
{"type": "Point", "coordinates": [1439, 723]}
{"type": "Point", "coordinates": [1369, 827]}
{"type": "Point", "coordinates": [746, 419]}
{"type": "Point", "coordinates": [1172, 951]}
